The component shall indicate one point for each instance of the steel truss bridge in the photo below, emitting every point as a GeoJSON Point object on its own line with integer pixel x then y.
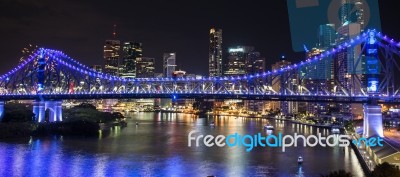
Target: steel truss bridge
{"type": "Point", "coordinates": [52, 75]}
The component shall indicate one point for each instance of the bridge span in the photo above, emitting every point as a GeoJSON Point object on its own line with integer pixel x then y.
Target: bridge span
{"type": "Point", "coordinates": [50, 76]}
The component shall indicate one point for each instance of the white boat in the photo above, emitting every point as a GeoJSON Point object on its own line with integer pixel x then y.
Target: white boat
{"type": "Point", "coordinates": [212, 124]}
{"type": "Point", "coordinates": [269, 127]}
{"type": "Point", "coordinates": [300, 160]}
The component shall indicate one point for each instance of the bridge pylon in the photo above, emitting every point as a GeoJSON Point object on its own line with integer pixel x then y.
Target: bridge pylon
{"type": "Point", "coordinates": [54, 107]}
{"type": "Point", "coordinates": [372, 111]}
{"type": "Point", "coordinates": [1, 110]}
{"type": "Point", "coordinates": [372, 120]}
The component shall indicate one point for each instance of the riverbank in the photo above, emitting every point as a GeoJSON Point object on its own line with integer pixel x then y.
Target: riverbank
{"type": "Point", "coordinates": [361, 160]}
{"type": "Point", "coordinates": [301, 123]}
{"type": "Point", "coordinates": [314, 125]}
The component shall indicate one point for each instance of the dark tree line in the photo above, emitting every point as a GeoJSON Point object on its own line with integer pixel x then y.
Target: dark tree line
{"type": "Point", "coordinates": [14, 112]}
{"type": "Point", "coordinates": [89, 113]}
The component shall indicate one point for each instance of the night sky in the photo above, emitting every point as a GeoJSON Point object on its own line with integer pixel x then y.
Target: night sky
{"type": "Point", "coordinates": [79, 28]}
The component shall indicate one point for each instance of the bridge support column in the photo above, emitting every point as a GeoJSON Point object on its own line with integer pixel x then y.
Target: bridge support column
{"type": "Point", "coordinates": [39, 110]}
{"type": "Point", "coordinates": [59, 110]}
{"type": "Point", "coordinates": [372, 121]}
{"type": "Point", "coordinates": [55, 110]}
{"type": "Point", "coordinates": [1, 110]}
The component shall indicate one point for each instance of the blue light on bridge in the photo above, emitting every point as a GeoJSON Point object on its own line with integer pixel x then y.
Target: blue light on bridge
{"type": "Point", "coordinates": [373, 85]}
{"type": "Point", "coordinates": [372, 63]}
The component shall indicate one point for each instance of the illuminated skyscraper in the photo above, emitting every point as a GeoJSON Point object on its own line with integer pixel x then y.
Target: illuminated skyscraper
{"type": "Point", "coordinates": [327, 39]}
{"type": "Point", "coordinates": [145, 67]}
{"type": "Point", "coordinates": [215, 52]}
{"type": "Point", "coordinates": [314, 78]}
{"type": "Point", "coordinates": [280, 84]}
{"type": "Point", "coordinates": [349, 67]}
{"type": "Point", "coordinates": [316, 70]}
{"type": "Point", "coordinates": [347, 62]}
{"type": "Point", "coordinates": [131, 52]}
{"type": "Point", "coordinates": [326, 36]}
{"type": "Point", "coordinates": [352, 11]}
{"type": "Point", "coordinates": [237, 60]}
{"type": "Point", "coordinates": [169, 64]}
{"type": "Point", "coordinates": [352, 15]}
{"type": "Point", "coordinates": [111, 56]}
{"type": "Point", "coordinates": [321, 71]}
{"type": "Point", "coordinates": [254, 63]}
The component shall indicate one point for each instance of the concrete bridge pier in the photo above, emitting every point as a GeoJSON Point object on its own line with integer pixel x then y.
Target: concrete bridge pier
{"type": "Point", "coordinates": [1, 110]}
{"type": "Point", "coordinates": [55, 110]}
{"type": "Point", "coordinates": [39, 111]}
{"type": "Point", "coordinates": [372, 120]}
{"type": "Point", "coordinates": [54, 107]}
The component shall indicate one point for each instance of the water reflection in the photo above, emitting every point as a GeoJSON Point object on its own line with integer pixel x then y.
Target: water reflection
{"type": "Point", "coordinates": [158, 147]}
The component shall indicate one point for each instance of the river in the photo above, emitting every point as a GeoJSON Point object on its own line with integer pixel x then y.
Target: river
{"type": "Point", "coordinates": [158, 146]}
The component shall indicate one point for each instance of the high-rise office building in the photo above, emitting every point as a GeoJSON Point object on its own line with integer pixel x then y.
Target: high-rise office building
{"type": "Point", "coordinates": [327, 39]}
{"type": "Point", "coordinates": [254, 63]}
{"type": "Point", "coordinates": [237, 60]}
{"type": "Point", "coordinates": [215, 53]}
{"type": "Point", "coordinates": [352, 16]}
{"type": "Point", "coordinates": [326, 36]}
{"type": "Point", "coordinates": [347, 63]}
{"type": "Point", "coordinates": [145, 67]}
{"type": "Point", "coordinates": [321, 70]}
{"type": "Point", "coordinates": [352, 11]}
{"type": "Point", "coordinates": [169, 64]}
{"type": "Point", "coordinates": [259, 65]}
{"type": "Point", "coordinates": [244, 60]}
{"type": "Point", "coordinates": [360, 19]}
{"type": "Point", "coordinates": [315, 70]}
{"type": "Point", "coordinates": [314, 78]}
{"type": "Point", "coordinates": [281, 84]}
{"type": "Point", "coordinates": [111, 56]}
{"type": "Point", "coordinates": [131, 52]}
{"type": "Point", "coordinates": [349, 68]}
{"type": "Point", "coordinates": [318, 76]}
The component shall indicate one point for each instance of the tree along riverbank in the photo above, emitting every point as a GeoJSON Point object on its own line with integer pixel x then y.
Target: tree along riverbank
{"type": "Point", "coordinates": [82, 120]}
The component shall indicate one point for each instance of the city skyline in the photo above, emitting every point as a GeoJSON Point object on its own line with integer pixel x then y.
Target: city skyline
{"type": "Point", "coordinates": [120, 88]}
{"type": "Point", "coordinates": [156, 39]}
